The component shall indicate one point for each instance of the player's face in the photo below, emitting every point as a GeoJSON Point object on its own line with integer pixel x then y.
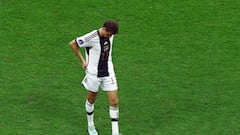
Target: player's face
{"type": "Point", "coordinates": [107, 33]}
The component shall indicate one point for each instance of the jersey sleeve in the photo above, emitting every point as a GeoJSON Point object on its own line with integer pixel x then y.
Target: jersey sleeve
{"type": "Point", "coordinates": [85, 40]}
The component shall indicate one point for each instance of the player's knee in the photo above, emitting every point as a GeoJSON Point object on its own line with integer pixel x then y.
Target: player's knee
{"type": "Point", "coordinates": [113, 102]}
{"type": "Point", "coordinates": [91, 101]}
{"type": "Point", "coordinates": [91, 97]}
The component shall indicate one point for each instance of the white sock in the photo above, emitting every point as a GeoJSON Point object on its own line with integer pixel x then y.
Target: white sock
{"type": "Point", "coordinates": [114, 115]}
{"type": "Point", "coordinates": [90, 113]}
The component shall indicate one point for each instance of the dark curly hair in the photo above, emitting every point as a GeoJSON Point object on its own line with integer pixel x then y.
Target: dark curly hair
{"type": "Point", "coordinates": [111, 26]}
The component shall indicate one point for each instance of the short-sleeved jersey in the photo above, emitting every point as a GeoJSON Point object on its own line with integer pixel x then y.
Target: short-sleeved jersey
{"type": "Point", "coordinates": [98, 52]}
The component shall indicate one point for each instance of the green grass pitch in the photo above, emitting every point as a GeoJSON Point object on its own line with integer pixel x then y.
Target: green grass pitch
{"type": "Point", "coordinates": [177, 64]}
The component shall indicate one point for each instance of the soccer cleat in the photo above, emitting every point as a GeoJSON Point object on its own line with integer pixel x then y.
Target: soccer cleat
{"type": "Point", "coordinates": [92, 130]}
{"type": "Point", "coordinates": [117, 134]}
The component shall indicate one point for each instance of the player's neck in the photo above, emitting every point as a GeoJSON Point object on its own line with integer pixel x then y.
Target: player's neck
{"type": "Point", "coordinates": [101, 32]}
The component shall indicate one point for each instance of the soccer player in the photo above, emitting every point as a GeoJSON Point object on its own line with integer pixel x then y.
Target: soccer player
{"type": "Point", "coordinates": [99, 71]}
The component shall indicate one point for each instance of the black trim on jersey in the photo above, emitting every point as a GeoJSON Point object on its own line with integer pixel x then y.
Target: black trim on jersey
{"type": "Point", "coordinates": [103, 60]}
{"type": "Point", "coordinates": [77, 43]}
{"type": "Point", "coordinates": [87, 50]}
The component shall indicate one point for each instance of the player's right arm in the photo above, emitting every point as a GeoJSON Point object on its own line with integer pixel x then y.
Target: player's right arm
{"type": "Point", "coordinates": [82, 42]}
{"type": "Point", "coordinates": [75, 49]}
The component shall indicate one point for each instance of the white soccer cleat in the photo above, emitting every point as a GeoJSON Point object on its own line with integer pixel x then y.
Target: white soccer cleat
{"type": "Point", "coordinates": [92, 130]}
{"type": "Point", "coordinates": [117, 134]}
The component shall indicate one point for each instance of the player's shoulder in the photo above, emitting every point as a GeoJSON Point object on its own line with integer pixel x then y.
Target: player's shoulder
{"type": "Point", "coordinates": [91, 35]}
{"type": "Point", "coordinates": [93, 32]}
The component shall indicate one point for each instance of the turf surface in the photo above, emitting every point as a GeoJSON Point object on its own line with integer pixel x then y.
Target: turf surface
{"type": "Point", "coordinates": [177, 64]}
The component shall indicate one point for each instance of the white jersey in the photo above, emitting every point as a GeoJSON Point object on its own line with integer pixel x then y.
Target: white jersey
{"type": "Point", "coordinates": [98, 53]}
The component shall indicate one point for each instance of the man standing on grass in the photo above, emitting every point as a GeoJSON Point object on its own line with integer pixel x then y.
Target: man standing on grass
{"type": "Point", "coordinates": [99, 71]}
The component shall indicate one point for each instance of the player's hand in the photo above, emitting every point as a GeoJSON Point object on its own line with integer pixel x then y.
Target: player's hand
{"type": "Point", "coordinates": [84, 65]}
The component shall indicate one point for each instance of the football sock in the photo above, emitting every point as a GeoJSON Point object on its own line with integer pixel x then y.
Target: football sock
{"type": "Point", "coordinates": [114, 115]}
{"type": "Point", "coordinates": [90, 113]}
